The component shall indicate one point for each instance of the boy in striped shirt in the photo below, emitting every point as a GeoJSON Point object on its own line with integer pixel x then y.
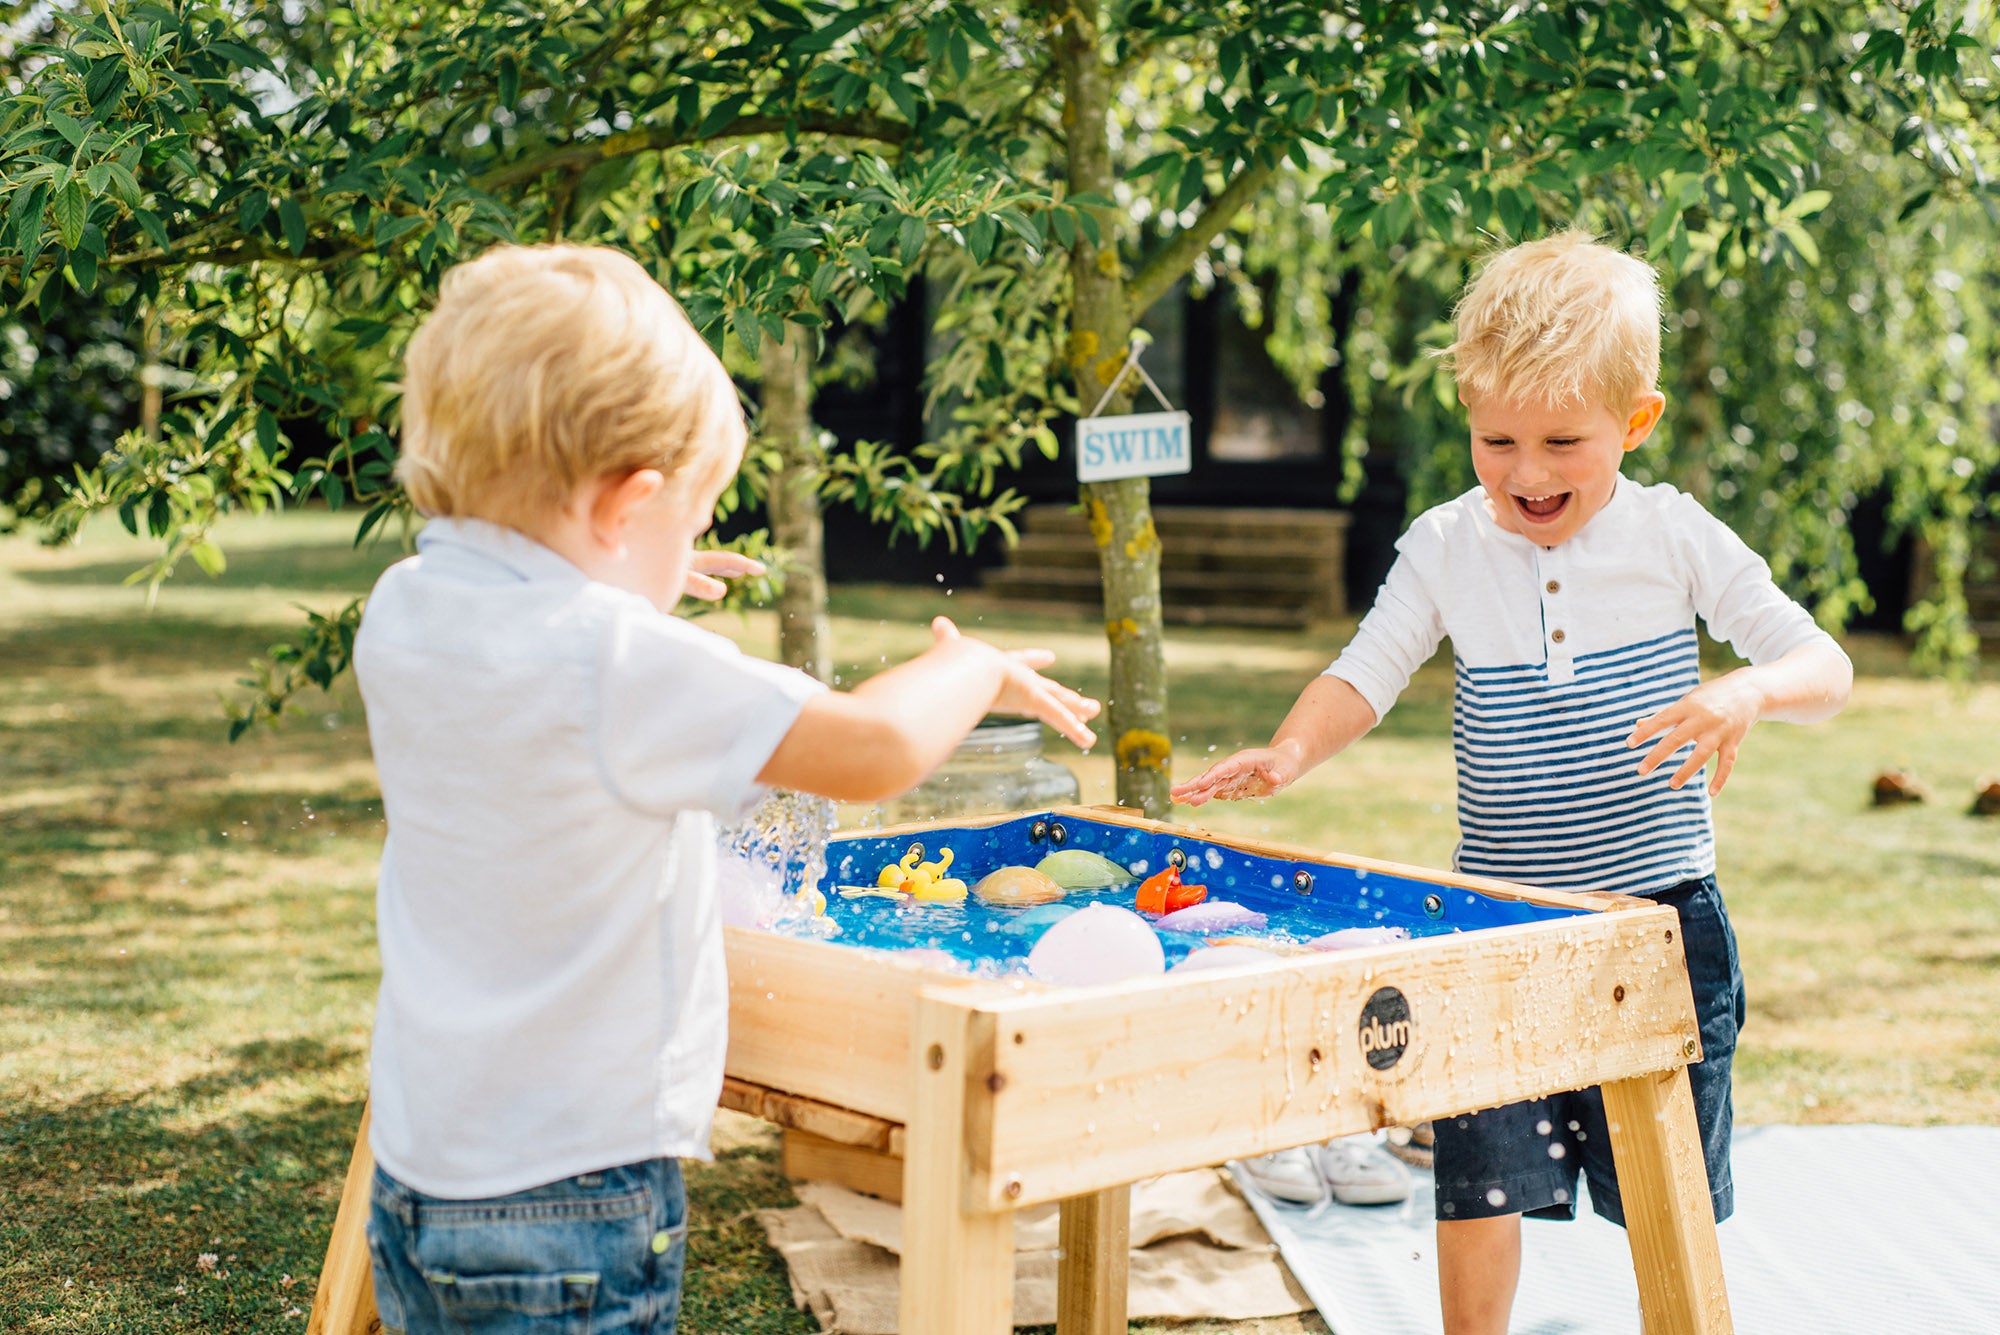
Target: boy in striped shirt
{"type": "Point", "coordinates": [1580, 722]}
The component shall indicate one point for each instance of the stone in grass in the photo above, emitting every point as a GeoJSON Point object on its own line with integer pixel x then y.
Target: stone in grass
{"type": "Point", "coordinates": [1986, 800]}
{"type": "Point", "coordinates": [1894, 787]}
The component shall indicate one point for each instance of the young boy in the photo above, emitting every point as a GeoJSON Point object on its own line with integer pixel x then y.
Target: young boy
{"type": "Point", "coordinates": [555, 748]}
{"type": "Point", "coordinates": [1570, 596]}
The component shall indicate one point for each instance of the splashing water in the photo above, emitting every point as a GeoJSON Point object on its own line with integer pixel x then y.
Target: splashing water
{"type": "Point", "coordinates": [770, 864]}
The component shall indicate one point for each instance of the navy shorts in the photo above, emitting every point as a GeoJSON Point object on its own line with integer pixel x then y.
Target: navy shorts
{"type": "Point", "coordinates": [1525, 1158]}
{"type": "Point", "coordinates": [599, 1252]}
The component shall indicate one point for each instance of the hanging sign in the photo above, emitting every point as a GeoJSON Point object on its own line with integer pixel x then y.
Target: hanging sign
{"type": "Point", "coordinates": [1133, 445]}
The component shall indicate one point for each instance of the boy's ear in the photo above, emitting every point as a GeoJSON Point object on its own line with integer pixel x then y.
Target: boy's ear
{"type": "Point", "coordinates": [618, 499]}
{"type": "Point", "coordinates": [1645, 415]}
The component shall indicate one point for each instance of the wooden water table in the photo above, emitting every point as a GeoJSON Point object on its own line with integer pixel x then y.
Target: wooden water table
{"type": "Point", "coordinates": [972, 1098]}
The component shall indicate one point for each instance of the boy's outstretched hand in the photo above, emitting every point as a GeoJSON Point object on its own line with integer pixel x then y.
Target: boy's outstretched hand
{"type": "Point", "coordinates": [1257, 772]}
{"type": "Point", "coordinates": [707, 569]}
{"type": "Point", "coordinates": [1024, 690]}
{"type": "Point", "coordinates": [1715, 716]}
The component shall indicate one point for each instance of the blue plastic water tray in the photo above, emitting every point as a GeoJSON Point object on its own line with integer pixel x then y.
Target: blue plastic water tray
{"type": "Point", "coordinates": [1302, 898]}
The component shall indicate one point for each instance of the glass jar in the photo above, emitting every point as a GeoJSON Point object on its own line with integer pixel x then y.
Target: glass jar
{"type": "Point", "coordinates": [998, 767]}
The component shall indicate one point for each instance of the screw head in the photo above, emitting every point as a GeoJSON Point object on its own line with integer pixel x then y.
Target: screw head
{"type": "Point", "coordinates": [1434, 906]}
{"type": "Point", "coordinates": [1013, 1188]}
{"type": "Point", "coordinates": [1689, 1047]}
{"type": "Point", "coordinates": [915, 851]}
{"type": "Point", "coordinates": [935, 1057]}
{"type": "Point", "coordinates": [1302, 881]}
{"type": "Point", "coordinates": [1618, 992]}
{"type": "Point", "coordinates": [1058, 834]}
{"type": "Point", "coordinates": [1176, 858]}
{"type": "Point", "coordinates": [1038, 832]}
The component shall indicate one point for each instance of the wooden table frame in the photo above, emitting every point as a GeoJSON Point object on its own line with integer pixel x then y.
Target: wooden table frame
{"type": "Point", "coordinates": [996, 1095]}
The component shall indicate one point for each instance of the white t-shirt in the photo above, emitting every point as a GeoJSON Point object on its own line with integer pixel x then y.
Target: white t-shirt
{"type": "Point", "coordinates": [1559, 651]}
{"type": "Point", "coordinates": [553, 755]}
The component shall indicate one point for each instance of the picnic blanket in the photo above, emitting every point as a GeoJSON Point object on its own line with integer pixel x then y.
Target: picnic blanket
{"type": "Point", "coordinates": [1839, 1230]}
{"type": "Point", "coordinates": [1197, 1250]}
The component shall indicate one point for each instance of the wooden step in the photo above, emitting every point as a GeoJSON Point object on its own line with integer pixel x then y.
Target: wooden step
{"type": "Point", "coordinates": [1175, 614]}
{"type": "Point", "coordinates": [1219, 583]}
{"type": "Point", "coordinates": [1193, 524]}
{"type": "Point", "coordinates": [1217, 566]}
{"type": "Point", "coordinates": [1178, 553]}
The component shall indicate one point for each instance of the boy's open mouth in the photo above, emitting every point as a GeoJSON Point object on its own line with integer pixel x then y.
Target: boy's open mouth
{"type": "Point", "coordinates": [1541, 509]}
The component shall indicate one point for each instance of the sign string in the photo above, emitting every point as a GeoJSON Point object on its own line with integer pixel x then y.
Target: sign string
{"type": "Point", "coordinates": [1140, 340]}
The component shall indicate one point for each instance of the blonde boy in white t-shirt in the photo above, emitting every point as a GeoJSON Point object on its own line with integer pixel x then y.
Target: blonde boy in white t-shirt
{"type": "Point", "coordinates": [555, 748]}
{"type": "Point", "coordinates": [1570, 595]}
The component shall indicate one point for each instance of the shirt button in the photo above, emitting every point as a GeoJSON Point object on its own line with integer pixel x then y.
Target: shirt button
{"type": "Point", "coordinates": [1555, 586]}
{"type": "Point", "coordinates": [1556, 635]}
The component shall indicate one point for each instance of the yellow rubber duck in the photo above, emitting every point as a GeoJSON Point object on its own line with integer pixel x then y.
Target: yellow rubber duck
{"type": "Point", "coordinates": [929, 882]}
{"type": "Point", "coordinates": [892, 876]}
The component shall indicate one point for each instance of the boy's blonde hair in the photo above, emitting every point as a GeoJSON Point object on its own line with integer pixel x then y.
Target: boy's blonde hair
{"type": "Point", "coordinates": [1559, 322]}
{"type": "Point", "coordinates": [544, 367]}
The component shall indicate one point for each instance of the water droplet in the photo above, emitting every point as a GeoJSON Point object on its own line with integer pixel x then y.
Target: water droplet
{"type": "Point", "coordinates": [1496, 1198]}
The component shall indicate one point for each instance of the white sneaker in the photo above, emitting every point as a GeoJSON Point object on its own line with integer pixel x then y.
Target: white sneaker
{"type": "Point", "coordinates": [1358, 1171]}
{"type": "Point", "coordinates": [1288, 1175]}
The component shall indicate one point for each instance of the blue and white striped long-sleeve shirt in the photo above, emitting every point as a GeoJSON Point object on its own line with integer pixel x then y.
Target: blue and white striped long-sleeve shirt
{"type": "Point", "coordinates": [1559, 650]}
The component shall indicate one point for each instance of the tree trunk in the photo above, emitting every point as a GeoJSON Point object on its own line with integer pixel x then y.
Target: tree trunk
{"type": "Point", "coordinates": [793, 503]}
{"type": "Point", "coordinates": [1120, 513]}
{"type": "Point", "coordinates": [1695, 423]}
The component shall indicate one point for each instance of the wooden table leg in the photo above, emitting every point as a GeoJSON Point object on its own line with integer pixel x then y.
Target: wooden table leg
{"type": "Point", "coordinates": [345, 1301]}
{"type": "Point", "coordinates": [1096, 1245]}
{"type": "Point", "coordinates": [1669, 1220]}
{"type": "Point", "coordinates": [958, 1264]}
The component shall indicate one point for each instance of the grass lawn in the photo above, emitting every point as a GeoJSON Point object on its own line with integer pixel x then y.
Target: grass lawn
{"type": "Point", "coordinates": [187, 959]}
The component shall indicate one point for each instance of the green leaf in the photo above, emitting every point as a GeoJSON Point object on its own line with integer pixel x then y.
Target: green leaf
{"type": "Point", "coordinates": [83, 267]}
{"type": "Point", "coordinates": [209, 557]}
{"type": "Point", "coordinates": [72, 209]}
{"type": "Point", "coordinates": [25, 212]}
{"type": "Point", "coordinates": [1065, 224]}
{"type": "Point", "coordinates": [912, 238]}
{"type": "Point", "coordinates": [823, 279]}
{"type": "Point", "coordinates": [125, 183]}
{"type": "Point", "coordinates": [901, 94]}
{"type": "Point", "coordinates": [155, 230]}
{"type": "Point", "coordinates": [980, 235]}
{"type": "Point", "coordinates": [721, 114]}
{"type": "Point", "coordinates": [97, 177]}
{"type": "Point", "coordinates": [69, 128]}
{"type": "Point", "coordinates": [252, 211]}
{"type": "Point", "coordinates": [247, 57]}
{"type": "Point", "coordinates": [106, 79]}
{"type": "Point", "coordinates": [293, 220]}
{"type": "Point", "coordinates": [388, 228]}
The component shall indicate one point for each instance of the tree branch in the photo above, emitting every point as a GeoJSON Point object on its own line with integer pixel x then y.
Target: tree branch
{"type": "Point", "coordinates": [660, 138]}
{"type": "Point", "coordinates": [1165, 266]}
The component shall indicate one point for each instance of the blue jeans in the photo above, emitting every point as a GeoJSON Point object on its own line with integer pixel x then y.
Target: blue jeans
{"type": "Point", "coordinates": [1525, 1158]}
{"type": "Point", "coordinates": [596, 1254]}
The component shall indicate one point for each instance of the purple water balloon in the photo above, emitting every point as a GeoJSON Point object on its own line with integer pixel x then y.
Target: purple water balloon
{"type": "Point", "coordinates": [1215, 916]}
{"type": "Point", "coordinates": [1352, 938]}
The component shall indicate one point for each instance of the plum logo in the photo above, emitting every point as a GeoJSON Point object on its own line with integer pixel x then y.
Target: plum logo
{"type": "Point", "coordinates": [1385, 1028]}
